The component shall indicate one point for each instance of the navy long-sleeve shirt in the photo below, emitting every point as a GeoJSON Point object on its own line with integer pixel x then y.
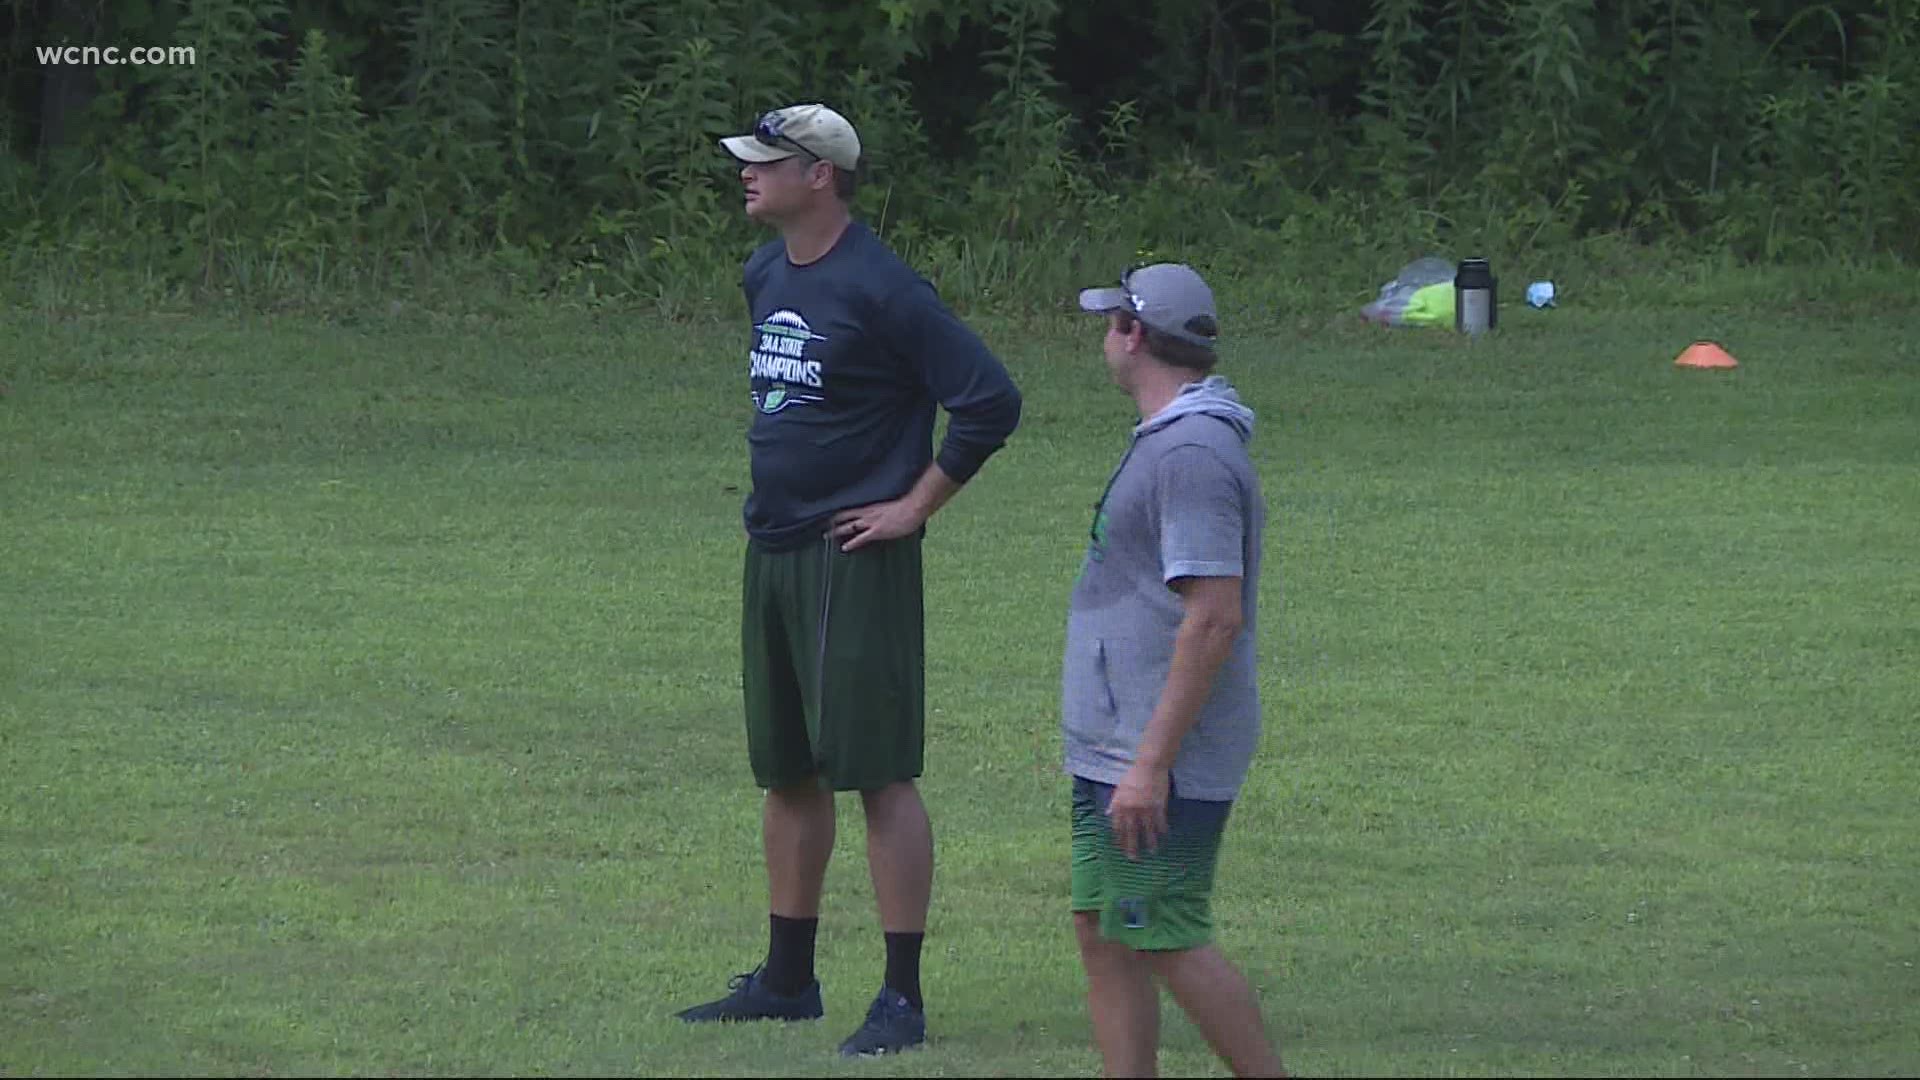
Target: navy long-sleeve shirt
{"type": "Point", "coordinates": [850, 355]}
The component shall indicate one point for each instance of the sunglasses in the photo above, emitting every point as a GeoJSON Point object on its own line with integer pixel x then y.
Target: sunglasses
{"type": "Point", "coordinates": [767, 133]}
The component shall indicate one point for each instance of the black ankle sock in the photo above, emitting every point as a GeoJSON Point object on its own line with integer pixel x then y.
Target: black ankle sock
{"type": "Point", "coordinates": [903, 966]}
{"type": "Point", "coordinates": [789, 967]}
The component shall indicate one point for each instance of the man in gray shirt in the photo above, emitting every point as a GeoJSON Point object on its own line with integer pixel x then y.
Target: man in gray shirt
{"type": "Point", "coordinates": [1159, 704]}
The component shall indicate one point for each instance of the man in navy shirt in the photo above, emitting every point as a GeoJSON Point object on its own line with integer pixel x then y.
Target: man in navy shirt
{"type": "Point", "coordinates": [851, 354]}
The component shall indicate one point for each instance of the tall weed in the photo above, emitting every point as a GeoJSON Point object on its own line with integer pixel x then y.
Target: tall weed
{"type": "Point", "coordinates": [1011, 146]}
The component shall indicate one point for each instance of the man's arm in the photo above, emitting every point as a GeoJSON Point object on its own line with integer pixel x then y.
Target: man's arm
{"type": "Point", "coordinates": [982, 403]}
{"type": "Point", "coordinates": [1201, 513]}
{"type": "Point", "coordinates": [961, 373]}
{"type": "Point", "coordinates": [1208, 627]}
{"type": "Point", "coordinates": [863, 525]}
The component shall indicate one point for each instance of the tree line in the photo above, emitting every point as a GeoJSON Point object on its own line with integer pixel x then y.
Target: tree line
{"type": "Point", "coordinates": [576, 139]}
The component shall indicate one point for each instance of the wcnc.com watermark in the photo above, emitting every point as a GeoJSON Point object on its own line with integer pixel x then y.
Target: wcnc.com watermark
{"type": "Point", "coordinates": [113, 55]}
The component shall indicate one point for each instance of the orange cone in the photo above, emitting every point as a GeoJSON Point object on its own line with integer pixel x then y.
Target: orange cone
{"type": "Point", "coordinates": [1706, 354]}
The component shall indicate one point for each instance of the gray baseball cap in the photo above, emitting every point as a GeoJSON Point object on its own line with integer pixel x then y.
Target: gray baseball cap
{"type": "Point", "coordinates": [1165, 296]}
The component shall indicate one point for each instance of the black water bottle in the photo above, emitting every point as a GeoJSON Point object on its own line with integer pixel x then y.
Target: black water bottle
{"type": "Point", "coordinates": [1476, 297]}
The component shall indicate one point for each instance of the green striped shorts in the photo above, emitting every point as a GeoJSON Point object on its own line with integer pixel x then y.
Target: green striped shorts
{"type": "Point", "coordinates": [1161, 901]}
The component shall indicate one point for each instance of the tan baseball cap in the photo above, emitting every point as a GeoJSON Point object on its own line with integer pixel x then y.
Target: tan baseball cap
{"type": "Point", "coordinates": [810, 129]}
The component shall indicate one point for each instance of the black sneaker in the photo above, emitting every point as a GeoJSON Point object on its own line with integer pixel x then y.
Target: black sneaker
{"type": "Point", "coordinates": [892, 1025]}
{"type": "Point", "coordinates": [751, 999]}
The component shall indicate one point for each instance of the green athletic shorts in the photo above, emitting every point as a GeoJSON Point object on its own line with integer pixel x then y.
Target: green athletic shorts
{"type": "Point", "coordinates": [833, 664]}
{"type": "Point", "coordinates": [1161, 901]}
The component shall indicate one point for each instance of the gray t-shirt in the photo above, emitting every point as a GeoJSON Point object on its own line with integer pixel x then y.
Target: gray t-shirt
{"type": "Point", "coordinates": [1184, 502]}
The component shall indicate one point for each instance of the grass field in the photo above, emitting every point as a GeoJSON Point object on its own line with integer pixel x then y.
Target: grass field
{"type": "Point", "coordinates": [369, 700]}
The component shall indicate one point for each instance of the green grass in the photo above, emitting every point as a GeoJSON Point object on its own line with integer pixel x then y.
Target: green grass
{"type": "Point", "coordinates": [369, 699]}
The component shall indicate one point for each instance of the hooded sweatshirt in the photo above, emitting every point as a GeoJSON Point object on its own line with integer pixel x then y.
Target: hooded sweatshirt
{"type": "Point", "coordinates": [1185, 501]}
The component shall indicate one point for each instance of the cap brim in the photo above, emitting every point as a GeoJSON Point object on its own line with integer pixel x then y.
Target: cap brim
{"type": "Point", "coordinates": [1103, 299]}
{"type": "Point", "coordinates": [748, 148]}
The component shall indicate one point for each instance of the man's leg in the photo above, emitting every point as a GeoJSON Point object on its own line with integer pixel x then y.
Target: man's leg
{"type": "Point", "coordinates": [797, 821]}
{"type": "Point", "coordinates": [797, 827]}
{"type": "Point", "coordinates": [900, 859]}
{"type": "Point", "coordinates": [1220, 1002]}
{"type": "Point", "coordinates": [797, 831]}
{"type": "Point", "coordinates": [780, 677]}
{"type": "Point", "coordinates": [1159, 904]}
{"type": "Point", "coordinates": [1122, 1001]}
{"type": "Point", "coordinates": [872, 726]}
